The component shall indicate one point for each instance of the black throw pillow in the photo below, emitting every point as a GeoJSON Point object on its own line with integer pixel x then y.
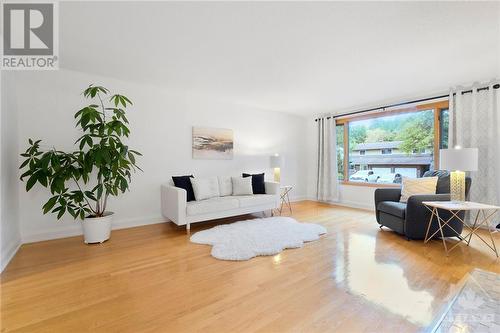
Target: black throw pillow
{"type": "Point", "coordinates": [258, 186]}
{"type": "Point", "coordinates": [185, 183]}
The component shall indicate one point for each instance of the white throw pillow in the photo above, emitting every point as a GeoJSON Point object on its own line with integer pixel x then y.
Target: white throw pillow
{"type": "Point", "coordinates": [205, 188]}
{"type": "Point", "coordinates": [414, 186]}
{"type": "Point", "coordinates": [242, 186]}
{"type": "Point", "coordinates": [225, 185]}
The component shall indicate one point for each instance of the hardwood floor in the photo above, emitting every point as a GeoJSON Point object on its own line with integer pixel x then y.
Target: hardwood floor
{"type": "Point", "coordinates": [357, 278]}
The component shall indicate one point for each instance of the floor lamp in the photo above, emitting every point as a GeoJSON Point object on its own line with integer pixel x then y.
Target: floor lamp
{"type": "Point", "coordinates": [458, 160]}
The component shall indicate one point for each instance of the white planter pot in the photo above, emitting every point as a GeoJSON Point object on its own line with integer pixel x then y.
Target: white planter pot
{"type": "Point", "coordinates": [97, 229]}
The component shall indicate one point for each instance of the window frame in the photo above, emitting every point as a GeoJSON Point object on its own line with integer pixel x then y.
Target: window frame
{"type": "Point", "coordinates": [344, 121]}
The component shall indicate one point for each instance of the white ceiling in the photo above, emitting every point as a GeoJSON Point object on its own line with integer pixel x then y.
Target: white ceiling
{"type": "Point", "coordinates": [306, 58]}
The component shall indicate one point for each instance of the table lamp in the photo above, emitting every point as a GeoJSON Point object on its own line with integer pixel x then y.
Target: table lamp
{"type": "Point", "coordinates": [458, 160]}
{"type": "Point", "coordinates": [276, 162]}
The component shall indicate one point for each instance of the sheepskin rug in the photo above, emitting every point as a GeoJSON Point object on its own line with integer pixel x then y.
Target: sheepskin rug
{"type": "Point", "coordinates": [258, 237]}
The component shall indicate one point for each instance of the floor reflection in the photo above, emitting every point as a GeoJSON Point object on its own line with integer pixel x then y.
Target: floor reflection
{"type": "Point", "coordinates": [383, 284]}
{"type": "Point", "coordinates": [277, 259]}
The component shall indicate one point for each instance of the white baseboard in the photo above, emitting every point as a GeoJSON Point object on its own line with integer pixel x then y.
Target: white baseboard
{"type": "Point", "coordinates": [76, 229]}
{"type": "Point", "coordinates": [350, 204]}
{"type": "Point", "coordinates": [295, 198]}
{"type": "Point", "coordinates": [354, 204]}
{"type": "Point", "coordinates": [9, 253]}
{"type": "Point", "coordinates": [137, 222]}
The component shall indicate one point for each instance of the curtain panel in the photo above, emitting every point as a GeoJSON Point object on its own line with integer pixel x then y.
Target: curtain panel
{"type": "Point", "coordinates": [327, 181]}
{"type": "Point", "coordinates": [475, 123]}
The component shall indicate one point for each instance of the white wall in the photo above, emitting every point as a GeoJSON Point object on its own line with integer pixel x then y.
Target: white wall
{"type": "Point", "coordinates": [10, 237]}
{"type": "Point", "coordinates": [357, 196]}
{"type": "Point", "coordinates": [161, 124]}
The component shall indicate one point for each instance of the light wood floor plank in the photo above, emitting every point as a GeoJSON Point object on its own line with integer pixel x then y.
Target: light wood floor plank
{"type": "Point", "coordinates": [357, 278]}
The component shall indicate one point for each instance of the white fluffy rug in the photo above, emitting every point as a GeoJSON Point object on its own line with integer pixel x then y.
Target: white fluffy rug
{"type": "Point", "coordinates": [259, 237]}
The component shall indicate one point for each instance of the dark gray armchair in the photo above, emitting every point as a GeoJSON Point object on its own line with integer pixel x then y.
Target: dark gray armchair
{"type": "Point", "coordinates": [411, 218]}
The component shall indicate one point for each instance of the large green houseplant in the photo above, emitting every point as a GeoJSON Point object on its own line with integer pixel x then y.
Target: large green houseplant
{"type": "Point", "coordinates": [82, 180]}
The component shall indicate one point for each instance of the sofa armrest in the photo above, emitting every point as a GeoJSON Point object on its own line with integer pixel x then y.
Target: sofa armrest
{"type": "Point", "coordinates": [272, 188]}
{"type": "Point", "coordinates": [173, 203]}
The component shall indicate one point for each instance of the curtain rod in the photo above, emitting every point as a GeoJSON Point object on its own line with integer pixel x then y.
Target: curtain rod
{"type": "Point", "coordinates": [496, 86]}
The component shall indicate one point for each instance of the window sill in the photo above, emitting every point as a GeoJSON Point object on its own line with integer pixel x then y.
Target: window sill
{"type": "Point", "coordinates": [349, 183]}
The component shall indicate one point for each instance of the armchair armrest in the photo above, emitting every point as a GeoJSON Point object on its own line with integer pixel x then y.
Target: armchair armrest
{"type": "Point", "coordinates": [417, 215]}
{"type": "Point", "coordinates": [272, 187]}
{"type": "Point", "coordinates": [416, 210]}
{"type": "Point", "coordinates": [386, 194]}
{"type": "Point", "coordinates": [173, 203]}
{"type": "Point", "coordinates": [415, 204]}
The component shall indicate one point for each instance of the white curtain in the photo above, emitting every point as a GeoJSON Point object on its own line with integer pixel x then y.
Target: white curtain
{"type": "Point", "coordinates": [475, 123]}
{"type": "Point", "coordinates": [327, 186]}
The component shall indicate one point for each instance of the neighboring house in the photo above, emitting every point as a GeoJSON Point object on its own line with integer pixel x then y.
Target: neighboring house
{"type": "Point", "coordinates": [386, 157]}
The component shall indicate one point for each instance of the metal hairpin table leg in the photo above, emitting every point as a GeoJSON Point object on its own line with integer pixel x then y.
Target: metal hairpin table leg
{"type": "Point", "coordinates": [455, 208]}
{"type": "Point", "coordinates": [285, 198]}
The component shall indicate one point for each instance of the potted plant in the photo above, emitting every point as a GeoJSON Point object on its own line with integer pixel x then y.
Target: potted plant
{"type": "Point", "coordinates": [82, 180]}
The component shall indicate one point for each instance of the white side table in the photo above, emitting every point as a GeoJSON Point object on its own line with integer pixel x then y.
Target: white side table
{"type": "Point", "coordinates": [486, 212]}
{"type": "Point", "coordinates": [285, 198]}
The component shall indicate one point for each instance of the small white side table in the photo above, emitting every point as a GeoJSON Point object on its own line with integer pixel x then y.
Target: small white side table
{"type": "Point", "coordinates": [285, 198]}
{"type": "Point", "coordinates": [486, 211]}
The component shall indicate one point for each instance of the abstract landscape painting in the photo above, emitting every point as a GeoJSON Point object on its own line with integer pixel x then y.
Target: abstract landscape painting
{"type": "Point", "coordinates": [212, 143]}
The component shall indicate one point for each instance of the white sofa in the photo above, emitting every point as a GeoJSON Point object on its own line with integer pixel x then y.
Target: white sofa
{"type": "Point", "coordinates": [175, 207]}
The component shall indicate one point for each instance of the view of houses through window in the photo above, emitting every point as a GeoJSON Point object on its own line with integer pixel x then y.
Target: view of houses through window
{"type": "Point", "coordinates": [384, 148]}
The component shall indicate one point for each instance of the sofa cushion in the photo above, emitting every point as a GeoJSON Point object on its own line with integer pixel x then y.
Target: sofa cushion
{"type": "Point", "coordinates": [185, 183]}
{"type": "Point", "coordinates": [256, 200]}
{"type": "Point", "coordinates": [205, 188]}
{"type": "Point", "coordinates": [392, 207]}
{"type": "Point", "coordinates": [242, 186]}
{"type": "Point", "coordinates": [225, 185]}
{"type": "Point", "coordinates": [211, 205]}
{"type": "Point", "coordinates": [258, 185]}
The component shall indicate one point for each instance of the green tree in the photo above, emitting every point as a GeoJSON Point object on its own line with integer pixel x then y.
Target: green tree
{"type": "Point", "coordinates": [340, 151]}
{"type": "Point", "coordinates": [418, 133]}
{"type": "Point", "coordinates": [389, 124]}
{"type": "Point", "coordinates": [379, 135]}
{"type": "Point", "coordinates": [445, 121]}
{"type": "Point", "coordinates": [357, 134]}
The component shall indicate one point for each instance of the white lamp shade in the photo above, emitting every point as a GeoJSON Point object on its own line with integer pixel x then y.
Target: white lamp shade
{"type": "Point", "coordinates": [276, 161]}
{"type": "Point", "coordinates": [463, 159]}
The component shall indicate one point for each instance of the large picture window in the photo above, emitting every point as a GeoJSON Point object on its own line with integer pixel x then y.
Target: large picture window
{"type": "Point", "coordinates": [383, 147]}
